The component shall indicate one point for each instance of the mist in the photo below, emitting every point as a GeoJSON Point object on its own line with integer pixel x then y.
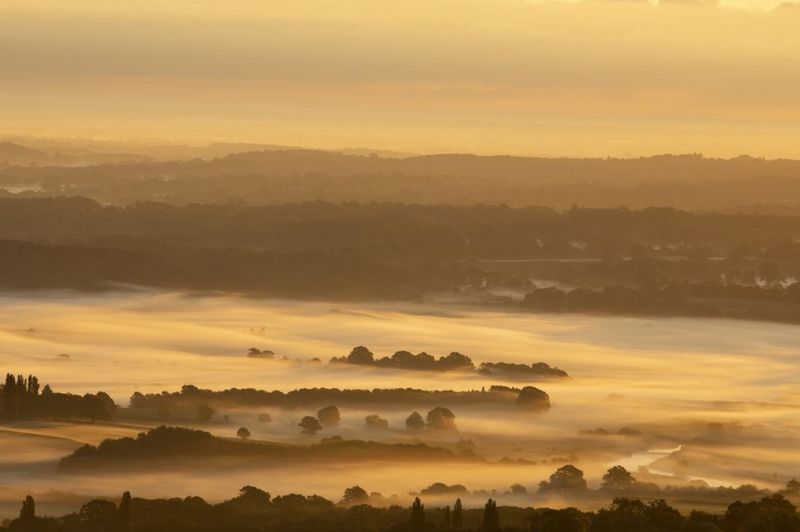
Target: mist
{"type": "Point", "coordinates": [735, 375]}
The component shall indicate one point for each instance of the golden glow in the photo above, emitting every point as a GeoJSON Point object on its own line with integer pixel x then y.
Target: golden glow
{"type": "Point", "coordinates": [487, 76]}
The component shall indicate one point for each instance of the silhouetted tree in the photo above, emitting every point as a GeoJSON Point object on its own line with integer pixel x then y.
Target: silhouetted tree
{"type": "Point", "coordinates": [354, 495]}
{"type": "Point", "coordinates": [374, 421]}
{"type": "Point", "coordinates": [518, 489]}
{"type": "Point", "coordinates": [125, 510]}
{"type": "Point", "coordinates": [491, 517]}
{"type": "Point", "coordinates": [329, 416]}
{"type": "Point", "coordinates": [360, 355]}
{"type": "Point", "coordinates": [441, 418]}
{"type": "Point", "coordinates": [533, 398]}
{"type": "Point", "coordinates": [566, 478]}
{"type": "Point", "coordinates": [417, 515]}
{"type": "Point", "coordinates": [243, 433]}
{"type": "Point", "coordinates": [618, 478]}
{"type": "Point", "coordinates": [415, 422]}
{"type": "Point", "coordinates": [28, 512]}
{"type": "Point", "coordinates": [447, 516]}
{"type": "Point", "coordinates": [250, 500]}
{"type": "Point", "coordinates": [310, 425]}
{"type": "Point", "coordinates": [458, 515]}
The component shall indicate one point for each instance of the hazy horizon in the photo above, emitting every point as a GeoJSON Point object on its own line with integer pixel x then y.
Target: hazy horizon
{"type": "Point", "coordinates": [597, 78]}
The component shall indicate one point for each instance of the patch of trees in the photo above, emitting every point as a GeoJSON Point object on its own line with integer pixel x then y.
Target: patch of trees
{"type": "Point", "coordinates": [406, 360]}
{"type": "Point", "coordinates": [256, 509]}
{"type": "Point", "coordinates": [255, 352]}
{"type": "Point", "coordinates": [439, 418]}
{"type": "Point", "coordinates": [712, 299]}
{"type": "Point", "coordinates": [509, 369]}
{"type": "Point", "coordinates": [528, 398]}
{"type": "Point", "coordinates": [440, 488]}
{"type": "Point", "coordinates": [24, 398]}
{"type": "Point", "coordinates": [323, 273]}
{"type": "Point", "coordinates": [170, 447]}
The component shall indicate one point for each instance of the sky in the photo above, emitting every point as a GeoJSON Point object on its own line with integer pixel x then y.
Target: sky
{"type": "Point", "coordinates": [590, 78]}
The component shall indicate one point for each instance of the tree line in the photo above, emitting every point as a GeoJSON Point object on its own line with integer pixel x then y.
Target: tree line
{"type": "Point", "coordinates": [255, 509]}
{"type": "Point", "coordinates": [527, 398]}
{"type": "Point", "coordinates": [22, 399]}
{"type": "Point", "coordinates": [454, 361]}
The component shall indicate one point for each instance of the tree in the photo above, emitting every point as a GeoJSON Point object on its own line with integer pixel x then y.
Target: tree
{"type": "Point", "coordinates": [618, 478]}
{"type": "Point", "coordinates": [793, 487]}
{"type": "Point", "coordinates": [455, 361]}
{"type": "Point", "coordinates": [491, 517]}
{"type": "Point", "coordinates": [250, 499]}
{"type": "Point", "coordinates": [374, 421]}
{"type": "Point", "coordinates": [310, 425]}
{"type": "Point", "coordinates": [10, 409]}
{"type": "Point", "coordinates": [264, 418]}
{"type": "Point", "coordinates": [415, 422]}
{"type": "Point", "coordinates": [458, 515]}
{"type": "Point", "coordinates": [125, 510]}
{"type": "Point", "coordinates": [329, 416]}
{"type": "Point", "coordinates": [566, 478]}
{"type": "Point", "coordinates": [354, 495]}
{"type": "Point", "coordinates": [243, 433]}
{"type": "Point", "coordinates": [251, 493]}
{"type": "Point", "coordinates": [28, 512]}
{"type": "Point", "coordinates": [361, 355]}
{"type": "Point", "coordinates": [441, 418]}
{"type": "Point", "coordinates": [534, 399]}
{"type": "Point", "coordinates": [518, 489]}
{"type": "Point", "coordinates": [417, 515]}
{"type": "Point", "coordinates": [448, 516]}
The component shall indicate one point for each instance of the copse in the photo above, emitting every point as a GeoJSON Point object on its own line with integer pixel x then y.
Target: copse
{"type": "Point", "coordinates": [407, 360]}
{"type": "Point", "coordinates": [528, 399]}
{"type": "Point", "coordinates": [21, 399]}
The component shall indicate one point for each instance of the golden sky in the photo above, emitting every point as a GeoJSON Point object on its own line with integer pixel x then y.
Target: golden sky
{"type": "Point", "coordinates": [598, 77]}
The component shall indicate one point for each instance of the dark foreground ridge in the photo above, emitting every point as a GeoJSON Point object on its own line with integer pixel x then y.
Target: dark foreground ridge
{"type": "Point", "coordinates": [255, 510]}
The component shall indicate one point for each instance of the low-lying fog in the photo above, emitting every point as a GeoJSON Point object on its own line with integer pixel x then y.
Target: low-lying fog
{"type": "Point", "coordinates": [668, 378]}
